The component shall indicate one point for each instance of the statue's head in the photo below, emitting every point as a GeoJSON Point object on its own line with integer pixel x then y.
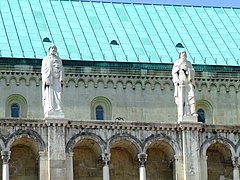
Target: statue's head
{"type": "Point", "coordinates": [52, 49]}
{"type": "Point", "coordinates": [182, 55]}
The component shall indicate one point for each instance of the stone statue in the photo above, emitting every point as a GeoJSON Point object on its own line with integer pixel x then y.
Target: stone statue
{"type": "Point", "coordinates": [183, 76]}
{"type": "Point", "coordinates": [52, 82]}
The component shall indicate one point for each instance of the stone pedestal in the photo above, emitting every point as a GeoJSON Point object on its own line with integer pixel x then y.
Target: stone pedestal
{"type": "Point", "coordinates": [191, 159]}
{"type": "Point", "coordinates": [54, 115]}
{"type": "Point", "coordinates": [56, 150]}
{"type": "Point", "coordinates": [191, 119]}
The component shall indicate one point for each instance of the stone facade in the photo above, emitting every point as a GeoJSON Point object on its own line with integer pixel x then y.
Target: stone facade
{"type": "Point", "coordinates": [139, 137]}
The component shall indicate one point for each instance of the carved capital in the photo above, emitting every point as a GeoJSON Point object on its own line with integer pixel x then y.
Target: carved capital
{"type": "Point", "coordinates": [235, 162]}
{"type": "Point", "coordinates": [142, 158]}
{"type": "Point", "coordinates": [106, 158]}
{"type": "Point", "coordinates": [5, 156]}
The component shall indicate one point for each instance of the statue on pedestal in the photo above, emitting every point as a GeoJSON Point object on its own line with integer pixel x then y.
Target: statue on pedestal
{"type": "Point", "coordinates": [183, 76]}
{"type": "Point", "coordinates": [52, 83]}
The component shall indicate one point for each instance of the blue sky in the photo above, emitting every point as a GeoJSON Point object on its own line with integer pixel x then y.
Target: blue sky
{"type": "Point", "coordinates": [214, 3]}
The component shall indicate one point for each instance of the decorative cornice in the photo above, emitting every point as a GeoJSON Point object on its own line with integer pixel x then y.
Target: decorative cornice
{"type": "Point", "coordinates": [152, 80]}
{"type": "Point", "coordinates": [115, 125]}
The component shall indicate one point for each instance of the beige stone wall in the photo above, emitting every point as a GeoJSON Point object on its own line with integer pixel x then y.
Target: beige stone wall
{"type": "Point", "coordinates": [133, 95]}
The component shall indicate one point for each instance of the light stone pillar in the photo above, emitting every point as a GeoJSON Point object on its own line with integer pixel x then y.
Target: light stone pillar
{"type": "Point", "coordinates": [178, 173]}
{"type": "Point", "coordinates": [69, 165]}
{"type": "Point", "coordinates": [235, 162]}
{"type": "Point", "coordinates": [56, 149]}
{"type": "Point", "coordinates": [142, 158]}
{"type": "Point", "coordinates": [5, 165]}
{"type": "Point", "coordinates": [204, 170]}
{"type": "Point", "coordinates": [191, 165]}
{"type": "Point", "coordinates": [106, 160]}
{"type": "Point", "coordinates": [43, 165]}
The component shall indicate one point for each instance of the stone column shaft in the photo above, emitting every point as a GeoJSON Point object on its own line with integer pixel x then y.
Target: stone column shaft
{"type": "Point", "coordinates": [178, 174]}
{"type": "Point", "coordinates": [106, 160]}
{"type": "Point", "coordinates": [5, 165]}
{"type": "Point", "coordinates": [142, 158]}
{"type": "Point", "coordinates": [69, 165]}
{"type": "Point", "coordinates": [204, 170]}
{"type": "Point", "coordinates": [43, 166]}
{"type": "Point", "coordinates": [235, 161]}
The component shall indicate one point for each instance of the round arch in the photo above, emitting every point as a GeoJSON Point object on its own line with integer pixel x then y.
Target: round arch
{"type": "Point", "coordinates": [36, 142]}
{"type": "Point", "coordinates": [171, 145]}
{"type": "Point", "coordinates": [226, 142]}
{"type": "Point", "coordinates": [125, 141]}
{"type": "Point", "coordinates": [83, 136]}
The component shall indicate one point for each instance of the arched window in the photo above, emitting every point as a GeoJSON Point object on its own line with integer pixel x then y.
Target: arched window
{"type": "Point", "coordinates": [15, 110]}
{"type": "Point", "coordinates": [16, 106]}
{"type": "Point", "coordinates": [204, 111]}
{"type": "Point", "coordinates": [201, 115]}
{"type": "Point", "coordinates": [101, 109]}
{"type": "Point", "coordinates": [99, 113]}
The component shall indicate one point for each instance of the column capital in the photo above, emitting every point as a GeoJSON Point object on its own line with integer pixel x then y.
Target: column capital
{"type": "Point", "coordinates": [235, 162]}
{"type": "Point", "coordinates": [43, 154]}
{"type": "Point", "coordinates": [5, 156]}
{"type": "Point", "coordinates": [106, 158]}
{"type": "Point", "coordinates": [142, 158]}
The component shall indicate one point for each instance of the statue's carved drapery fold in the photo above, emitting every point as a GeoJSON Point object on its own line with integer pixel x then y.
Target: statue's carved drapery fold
{"type": "Point", "coordinates": [52, 82]}
{"type": "Point", "coordinates": [183, 76]}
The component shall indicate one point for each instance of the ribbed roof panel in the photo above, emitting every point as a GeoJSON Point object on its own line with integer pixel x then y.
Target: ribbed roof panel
{"type": "Point", "coordinates": [121, 32]}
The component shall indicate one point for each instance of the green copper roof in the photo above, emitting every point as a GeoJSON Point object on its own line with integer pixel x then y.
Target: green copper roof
{"type": "Point", "coordinates": [122, 32]}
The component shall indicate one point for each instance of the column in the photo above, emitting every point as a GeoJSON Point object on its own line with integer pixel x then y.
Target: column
{"type": "Point", "coordinates": [204, 171]}
{"type": "Point", "coordinates": [235, 162]}
{"type": "Point", "coordinates": [142, 158]}
{"type": "Point", "coordinates": [5, 166]}
{"type": "Point", "coordinates": [178, 170]}
{"type": "Point", "coordinates": [69, 165]}
{"type": "Point", "coordinates": [43, 165]}
{"type": "Point", "coordinates": [106, 160]}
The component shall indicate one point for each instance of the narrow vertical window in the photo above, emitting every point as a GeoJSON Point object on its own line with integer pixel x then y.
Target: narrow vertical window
{"type": "Point", "coordinates": [201, 115]}
{"type": "Point", "coordinates": [15, 110]}
{"type": "Point", "coordinates": [99, 113]}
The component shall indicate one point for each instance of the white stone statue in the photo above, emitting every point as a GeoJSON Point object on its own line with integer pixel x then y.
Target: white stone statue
{"type": "Point", "coordinates": [52, 83]}
{"type": "Point", "coordinates": [183, 76]}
